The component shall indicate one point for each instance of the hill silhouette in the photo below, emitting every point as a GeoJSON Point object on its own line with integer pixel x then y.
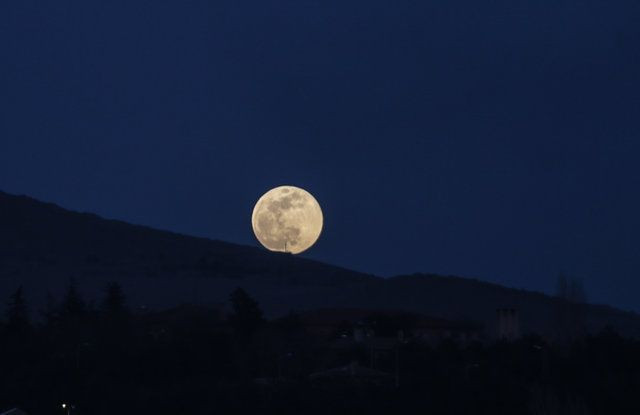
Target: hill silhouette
{"type": "Point", "coordinates": [42, 246]}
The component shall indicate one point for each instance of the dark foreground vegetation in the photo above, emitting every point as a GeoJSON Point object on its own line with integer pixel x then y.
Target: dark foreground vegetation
{"type": "Point", "coordinates": [107, 359]}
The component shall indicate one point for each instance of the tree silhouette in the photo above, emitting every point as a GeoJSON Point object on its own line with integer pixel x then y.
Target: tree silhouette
{"type": "Point", "coordinates": [569, 319]}
{"type": "Point", "coordinates": [51, 312]}
{"type": "Point", "coordinates": [17, 313]}
{"type": "Point", "coordinates": [73, 305]}
{"type": "Point", "coordinates": [114, 305]}
{"type": "Point", "coordinates": [247, 316]}
{"type": "Point", "coordinates": [115, 323]}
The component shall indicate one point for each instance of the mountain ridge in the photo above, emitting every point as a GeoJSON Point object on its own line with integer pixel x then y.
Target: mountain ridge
{"type": "Point", "coordinates": [43, 245]}
{"type": "Point", "coordinates": [22, 216]}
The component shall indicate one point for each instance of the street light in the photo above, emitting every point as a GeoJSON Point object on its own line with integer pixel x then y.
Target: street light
{"type": "Point", "coordinates": [67, 407]}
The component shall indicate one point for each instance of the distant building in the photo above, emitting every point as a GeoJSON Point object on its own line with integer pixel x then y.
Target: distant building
{"type": "Point", "coordinates": [364, 325]}
{"type": "Point", "coordinates": [430, 330]}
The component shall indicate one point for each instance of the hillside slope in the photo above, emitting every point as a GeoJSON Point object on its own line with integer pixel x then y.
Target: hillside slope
{"type": "Point", "coordinates": [43, 238]}
{"type": "Point", "coordinates": [42, 246]}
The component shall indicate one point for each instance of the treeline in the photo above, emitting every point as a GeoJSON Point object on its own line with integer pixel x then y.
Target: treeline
{"type": "Point", "coordinates": [103, 358]}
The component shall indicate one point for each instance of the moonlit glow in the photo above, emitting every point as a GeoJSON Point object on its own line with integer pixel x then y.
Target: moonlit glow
{"type": "Point", "coordinates": [287, 219]}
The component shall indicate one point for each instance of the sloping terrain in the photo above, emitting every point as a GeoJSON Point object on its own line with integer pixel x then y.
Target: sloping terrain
{"type": "Point", "coordinates": [43, 238]}
{"type": "Point", "coordinates": [43, 246]}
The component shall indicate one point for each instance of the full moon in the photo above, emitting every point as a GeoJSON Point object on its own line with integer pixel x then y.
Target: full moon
{"type": "Point", "coordinates": [287, 219]}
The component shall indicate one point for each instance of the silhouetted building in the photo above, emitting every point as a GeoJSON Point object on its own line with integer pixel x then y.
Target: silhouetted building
{"type": "Point", "coordinates": [362, 325]}
{"type": "Point", "coordinates": [430, 330]}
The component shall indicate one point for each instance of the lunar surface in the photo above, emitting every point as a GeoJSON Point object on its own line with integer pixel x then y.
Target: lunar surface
{"type": "Point", "coordinates": [287, 219]}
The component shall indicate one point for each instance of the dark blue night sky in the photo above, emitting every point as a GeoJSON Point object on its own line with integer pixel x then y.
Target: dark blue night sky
{"type": "Point", "coordinates": [497, 140]}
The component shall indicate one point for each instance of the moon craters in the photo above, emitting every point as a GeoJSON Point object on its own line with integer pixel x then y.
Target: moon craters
{"type": "Point", "coordinates": [287, 218]}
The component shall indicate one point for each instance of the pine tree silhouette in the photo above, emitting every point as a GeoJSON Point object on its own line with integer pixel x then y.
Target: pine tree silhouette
{"type": "Point", "coordinates": [247, 316]}
{"type": "Point", "coordinates": [73, 304]}
{"type": "Point", "coordinates": [114, 305]}
{"type": "Point", "coordinates": [17, 313]}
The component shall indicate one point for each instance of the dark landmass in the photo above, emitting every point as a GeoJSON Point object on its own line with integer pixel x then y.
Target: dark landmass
{"type": "Point", "coordinates": [109, 317]}
{"type": "Point", "coordinates": [104, 358]}
{"type": "Point", "coordinates": [43, 246]}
